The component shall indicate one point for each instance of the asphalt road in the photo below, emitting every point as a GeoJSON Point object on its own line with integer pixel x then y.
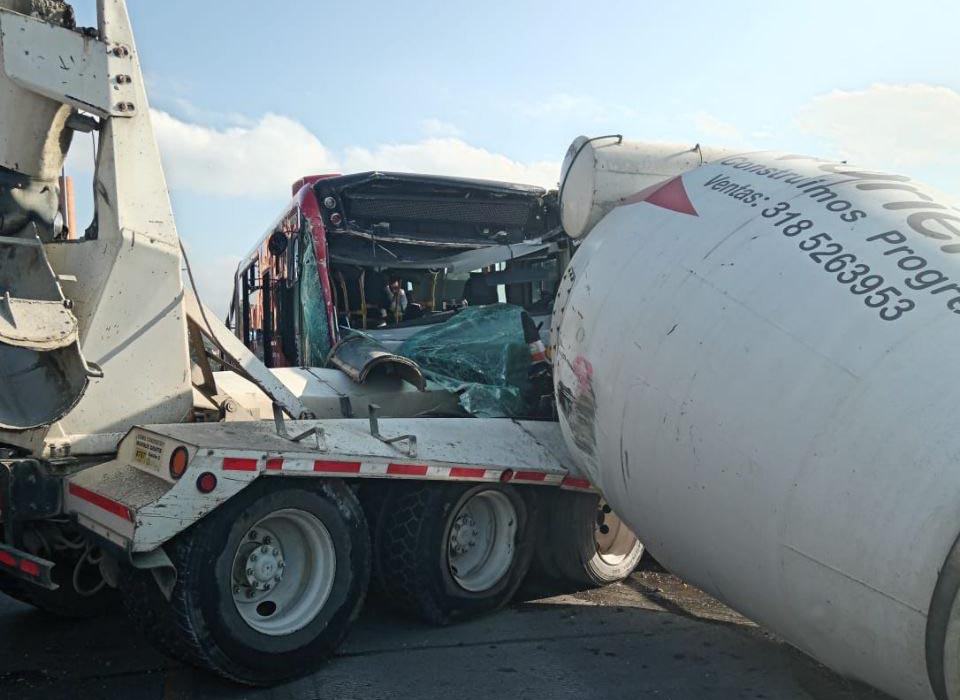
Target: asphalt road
{"type": "Point", "coordinates": [649, 637]}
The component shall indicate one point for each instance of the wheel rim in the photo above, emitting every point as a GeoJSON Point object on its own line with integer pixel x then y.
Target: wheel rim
{"type": "Point", "coordinates": [480, 541]}
{"type": "Point", "coordinates": [283, 572]}
{"type": "Point", "coordinates": [614, 540]}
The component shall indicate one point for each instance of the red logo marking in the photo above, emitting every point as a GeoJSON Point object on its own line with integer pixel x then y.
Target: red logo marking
{"type": "Point", "coordinates": [670, 195]}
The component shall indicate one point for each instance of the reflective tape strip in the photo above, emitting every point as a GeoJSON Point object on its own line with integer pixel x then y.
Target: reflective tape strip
{"type": "Point", "coordinates": [467, 473]}
{"type": "Point", "coordinates": [331, 467]}
{"type": "Point", "coordinates": [573, 482]}
{"type": "Point", "coordinates": [102, 502]}
{"type": "Point", "coordinates": [335, 467]}
{"type": "Point", "coordinates": [239, 464]}
{"type": "Point", "coordinates": [406, 469]}
{"type": "Point", "coordinates": [29, 567]}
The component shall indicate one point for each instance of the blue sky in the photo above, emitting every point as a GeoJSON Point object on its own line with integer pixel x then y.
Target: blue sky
{"type": "Point", "coordinates": [253, 95]}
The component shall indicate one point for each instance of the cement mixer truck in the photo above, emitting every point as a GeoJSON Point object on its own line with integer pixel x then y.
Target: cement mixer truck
{"type": "Point", "coordinates": [750, 363]}
{"type": "Point", "coordinates": [150, 459]}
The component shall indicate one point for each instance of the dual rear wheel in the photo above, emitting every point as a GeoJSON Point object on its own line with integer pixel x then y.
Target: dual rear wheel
{"type": "Point", "coordinates": [444, 552]}
{"type": "Point", "coordinates": [267, 586]}
{"type": "Point", "coordinates": [269, 583]}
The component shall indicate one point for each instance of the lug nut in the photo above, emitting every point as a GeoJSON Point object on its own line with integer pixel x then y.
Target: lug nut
{"type": "Point", "coordinates": [264, 549]}
{"type": "Point", "coordinates": [249, 572]}
{"type": "Point", "coordinates": [253, 557]}
{"type": "Point", "coordinates": [276, 552]}
{"type": "Point", "coordinates": [252, 535]}
{"type": "Point", "coordinates": [267, 539]}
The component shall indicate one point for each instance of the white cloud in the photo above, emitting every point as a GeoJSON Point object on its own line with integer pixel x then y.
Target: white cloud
{"type": "Point", "coordinates": [257, 160]}
{"type": "Point", "coordinates": [437, 128]}
{"type": "Point", "coordinates": [450, 156]}
{"type": "Point", "coordinates": [716, 131]}
{"type": "Point", "coordinates": [190, 112]}
{"type": "Point", "coordinates": [262, 159]}
{"type": "Point", "coordinates": [214, 279]}
{"type": "Point", "coordinates": [581, 107]}
{"type": "Point", "coordinates": [899, 126]}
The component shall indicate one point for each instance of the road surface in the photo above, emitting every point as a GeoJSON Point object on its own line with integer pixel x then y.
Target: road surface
{"type": "Point", "coordinates": [649, 637]}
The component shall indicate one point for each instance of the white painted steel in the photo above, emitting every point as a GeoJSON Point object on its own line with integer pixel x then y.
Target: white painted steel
{"type": "Point", "coordinates": [449, 449]}
{"type": "Point", "coordinates": [265, 384]}
{"type": "Point", "coordinates": [125, 285]}
{"type": "Point", "coordinates": [597, 175]}
{"type": "Point", "coordinates": [480, 540]}
{"type": "Point", "coordinates": [34, 126]}
{"type": "Point", "coordinates": [770, 436]}
{"type": "Point", "coordinates": [327, 393]}
{"type": "Point", "coordinates": [81, 63]}
{"type": "Point", "coordinates": [283, 572]}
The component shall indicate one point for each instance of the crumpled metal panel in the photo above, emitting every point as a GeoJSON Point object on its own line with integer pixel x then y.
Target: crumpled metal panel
{"type": "Point", "coordinates": [359, 356]}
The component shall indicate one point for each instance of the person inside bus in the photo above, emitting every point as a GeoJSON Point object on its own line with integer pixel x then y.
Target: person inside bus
{"type": "Point", "coordinates": [395, 307]}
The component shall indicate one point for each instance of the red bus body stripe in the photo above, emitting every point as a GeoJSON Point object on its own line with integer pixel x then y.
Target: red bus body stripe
{"type": "Point", "coordinates": [275, 464]}
{"type": "Point", "coordinates": [7, 559]}
{"type": "Point", "coordinates": [576, 483]}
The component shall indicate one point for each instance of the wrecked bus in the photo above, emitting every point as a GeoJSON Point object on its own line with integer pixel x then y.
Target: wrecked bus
{"type": "Point", "coordinates": [390, 253]}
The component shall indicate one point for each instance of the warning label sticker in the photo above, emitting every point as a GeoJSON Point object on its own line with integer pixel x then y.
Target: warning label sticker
{"type": "Point", "coordinates": [147, 451]}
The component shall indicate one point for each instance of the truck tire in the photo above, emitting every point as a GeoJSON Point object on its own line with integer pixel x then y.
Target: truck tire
{"type": "Point", "coordinates": [583, 543]}
{"type": "Point", "coordinates": [374, 495]}
{"type": "Point", "coordinates": [447, 552]}
{"type": "Point", "coordinates": [267, 585]}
